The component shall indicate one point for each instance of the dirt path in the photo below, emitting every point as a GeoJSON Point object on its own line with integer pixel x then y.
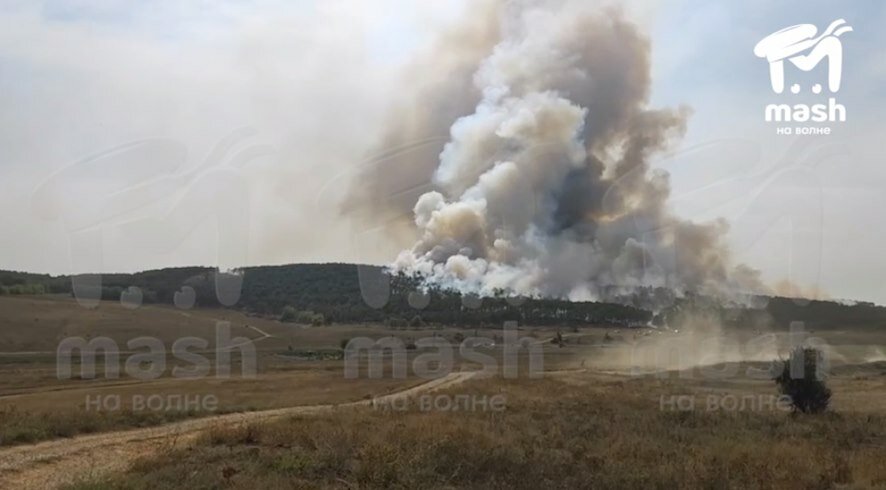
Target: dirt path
{"type": "Point", "coordinates": [53, 463]}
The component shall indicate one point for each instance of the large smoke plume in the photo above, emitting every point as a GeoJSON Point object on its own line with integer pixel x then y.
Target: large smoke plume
{"type": "Point", "coordinates": [544, 185]}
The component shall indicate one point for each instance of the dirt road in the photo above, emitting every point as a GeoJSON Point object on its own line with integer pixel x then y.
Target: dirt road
{"type": "Point", "coordinates": [53, 463]}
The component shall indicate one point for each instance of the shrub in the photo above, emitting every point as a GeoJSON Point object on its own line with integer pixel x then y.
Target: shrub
{"type": "Point", "coordinates": [288, 314]}
{"type": "Point", "coordinates": [416, 321]}
{"type": "Point", "coordinates": [807, 390]}
{"type": "Point", "coordinates": [304, 317]}
{"type": "Point", "coordinates": [291, 315]}
{"type": "Point", "coordinates": [26, 289]}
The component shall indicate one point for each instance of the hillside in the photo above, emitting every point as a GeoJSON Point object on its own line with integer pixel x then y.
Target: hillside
{"type": "Point", "coordinates": [331, 293]}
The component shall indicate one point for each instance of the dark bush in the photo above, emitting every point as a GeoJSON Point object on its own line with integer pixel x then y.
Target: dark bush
{"type": "Point", "coordinates": [802, 380]}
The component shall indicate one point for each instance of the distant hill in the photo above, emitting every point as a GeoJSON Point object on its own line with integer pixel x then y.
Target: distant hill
{"type": "Point", "coordinates": [332, 293]}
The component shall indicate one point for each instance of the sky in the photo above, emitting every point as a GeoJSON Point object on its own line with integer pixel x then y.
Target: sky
{"type": "Point", "coordinates": [127, 127]}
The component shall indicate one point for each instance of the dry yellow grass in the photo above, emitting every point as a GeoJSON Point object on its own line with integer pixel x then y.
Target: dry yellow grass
{"type": "Point", "coordinates": [573, 431]}
{"type": "Point", "coordinates": [36, 405]}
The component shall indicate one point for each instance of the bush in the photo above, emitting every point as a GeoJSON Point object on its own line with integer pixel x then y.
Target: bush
{"type": "Point", "coordinates": [304, 317]}
{"type": "Point", "coordinates": [4, 290]}
{"type": "Point", "coordinates": [27, 289]}
{"type": "Point", "coordinates": [416, 321]}
{"type": "Point", "coordinates": [291, 315]}
{"type": "Point", "coordinates": [288, 314]}
{"type": "Point", "coordinates": [807, 391]}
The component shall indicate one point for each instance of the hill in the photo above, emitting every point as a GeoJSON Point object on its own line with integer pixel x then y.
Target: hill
{"type": "Point", "coordinates": [332, 293]}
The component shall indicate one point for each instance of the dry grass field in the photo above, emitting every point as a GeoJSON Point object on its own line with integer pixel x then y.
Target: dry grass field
{"type": "Point", "coordinates": [603, 415]}
{"type": "Point", "coordinates": [36, 405]}
{"type": "Point", "coordinates": [569, 430]}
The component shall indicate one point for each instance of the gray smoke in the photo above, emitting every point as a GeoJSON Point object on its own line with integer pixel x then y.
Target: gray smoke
{"type": "Point", "coordinates": [543, 186]}
{"type": "Point", "coordinates": [438, 89]}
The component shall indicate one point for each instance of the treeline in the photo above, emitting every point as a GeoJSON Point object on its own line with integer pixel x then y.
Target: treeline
{"type": "Point", "coordinates": [817, 314]}
{"type": "Point", "coordinates": [776, 312]}
{"type": "Point", "coordinates": [332, 293]}
{"type": "Point", "coordinates": [23, 289]}
{"type": "Point", "coordinates": [12, 282]}
{"type": "Point", "coordinates": [156, 286]}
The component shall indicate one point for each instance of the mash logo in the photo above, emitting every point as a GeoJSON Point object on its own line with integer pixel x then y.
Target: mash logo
{"type": "Point", "coordinates": [805, 49]}
{"type": "Point", "coordinates": [799, 45]}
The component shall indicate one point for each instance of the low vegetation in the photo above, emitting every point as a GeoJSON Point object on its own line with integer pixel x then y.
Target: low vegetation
{"type": "Point", "coordinates": [22, 289]}
{"type": "Point", "coordinates": [23, 427]}
{"type": "Point", "coordinates": [308, 317]}
{"type": "Point", "coordinates": [552, 434]}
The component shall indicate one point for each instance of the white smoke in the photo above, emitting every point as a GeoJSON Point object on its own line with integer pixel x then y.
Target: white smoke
{"type": "Point", "coordinates": [545, 188]}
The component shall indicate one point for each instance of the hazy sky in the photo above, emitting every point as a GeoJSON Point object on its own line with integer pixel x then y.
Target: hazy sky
{"type": "Point", "coordinates": [111, 111]}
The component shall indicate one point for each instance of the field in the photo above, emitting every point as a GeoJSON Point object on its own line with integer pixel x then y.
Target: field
{"type": "Point", "coordinates": [571, 430]}
{"type": "Point", "coordinates": [614, 408]}
{"type": "Point", "coordinates": [296, 365]}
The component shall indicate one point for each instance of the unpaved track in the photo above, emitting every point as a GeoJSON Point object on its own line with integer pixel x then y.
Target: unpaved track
{"type": "Point", "coordinates": [53, 463]}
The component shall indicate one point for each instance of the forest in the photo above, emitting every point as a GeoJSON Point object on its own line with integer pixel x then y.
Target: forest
{"type": "Point", "coordinates": [351, 293]}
